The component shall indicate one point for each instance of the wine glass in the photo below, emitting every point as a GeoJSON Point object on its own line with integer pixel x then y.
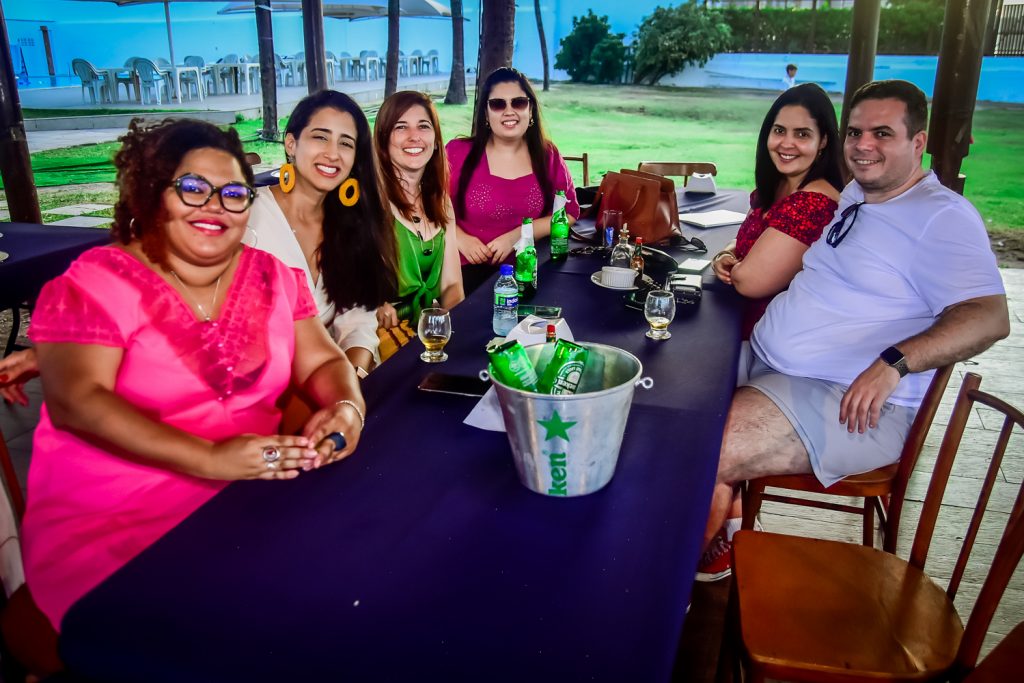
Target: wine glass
{"type": "Point", "coordinates": [659, 309]}
{"type": "Point", "coordinates": [434, 329]}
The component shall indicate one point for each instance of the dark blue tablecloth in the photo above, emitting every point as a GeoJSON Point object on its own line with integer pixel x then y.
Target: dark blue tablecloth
{"type": "Point", "coordinates": [422, 557]}
{"type": "Point", "coordinates": [39, 253]}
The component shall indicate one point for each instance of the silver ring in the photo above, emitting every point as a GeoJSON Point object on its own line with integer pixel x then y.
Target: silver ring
{"type": "Point", "coordinates": [271, 465]}
{"type": "Point", "coordinates": [271, 454]}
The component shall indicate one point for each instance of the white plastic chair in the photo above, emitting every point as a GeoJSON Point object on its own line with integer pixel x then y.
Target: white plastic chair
{"type": "Point", "coordinates": [92, 81]}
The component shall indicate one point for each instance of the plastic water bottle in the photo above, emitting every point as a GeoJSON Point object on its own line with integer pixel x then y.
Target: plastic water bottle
{"type": "Point", "coordinates": [506, 302]}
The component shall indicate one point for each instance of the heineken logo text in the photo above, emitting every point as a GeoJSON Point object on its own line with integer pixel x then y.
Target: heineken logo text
{"type": "Point", "coordinates": [558, 474]}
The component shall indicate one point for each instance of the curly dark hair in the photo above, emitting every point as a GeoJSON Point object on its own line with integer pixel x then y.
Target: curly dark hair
{"type": "Point", "coordinates": [826, 166]}
{"type": "Point", "coordinates": [358, 256]}
{"type": "Point", "coordinates": [146, 162]}
{"type": "Point", "coordinates": [537, 141]}
{"type": "Point", "coordinates": [435, 177]}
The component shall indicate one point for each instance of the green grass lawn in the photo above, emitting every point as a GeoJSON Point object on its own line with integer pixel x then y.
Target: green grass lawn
{"type": "Point", "coordinates": [620, 126]}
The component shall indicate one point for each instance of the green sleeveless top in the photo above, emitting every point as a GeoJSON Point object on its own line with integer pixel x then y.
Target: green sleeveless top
{"type": "Point", "coordinates": [419, 273]}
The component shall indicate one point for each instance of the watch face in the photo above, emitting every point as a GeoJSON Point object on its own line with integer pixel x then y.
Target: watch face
{"type": "Point", "coordinates": [892, 355]}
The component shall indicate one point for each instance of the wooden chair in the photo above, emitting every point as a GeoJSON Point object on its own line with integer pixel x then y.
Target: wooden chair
{"type": "Point", "coordinates": [28, 642]}
{"type": "Point", "coordinates": [585, 159]}
{"type": "Point", "coordinates": [882, 489]}
{"type": "Point", "coordinates": [1004, 662]}
{"type": "Point", "coordinates": [11, 479]}
{"type": "Point", "coordinates": [814, 610]}
{"type": "Point", "coordinates": [678, 168]}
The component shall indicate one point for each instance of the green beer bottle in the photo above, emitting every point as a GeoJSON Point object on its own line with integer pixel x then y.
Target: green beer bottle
{"type": "Point", "coordinates": [559, 229]}
{"type": "Point", "coordinates": [526, 262]}
{"type": "Point", "coordinates": [512, 367]}
{"type": "Point", "coordinates": [565, 370]}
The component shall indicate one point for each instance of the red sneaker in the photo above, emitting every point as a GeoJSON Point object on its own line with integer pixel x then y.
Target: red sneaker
{"type": "Point", "coordinates": [716, 562]}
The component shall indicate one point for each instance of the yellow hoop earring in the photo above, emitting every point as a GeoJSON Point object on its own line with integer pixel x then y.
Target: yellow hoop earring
{"type": "Point", "coordinates": [286, 177]}
{"type": "Point", "coordinates": [348, 193]}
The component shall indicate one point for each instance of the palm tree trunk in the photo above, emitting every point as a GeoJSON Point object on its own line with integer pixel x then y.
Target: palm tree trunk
{"type": "Point", "coordinates": [496, 39]}
{"type": "Point", "coordinates": [543, 44]}
{"type": "Point", "coordinates": [457, 81]}
{"type": "Point", "coordinates": [391, 79]}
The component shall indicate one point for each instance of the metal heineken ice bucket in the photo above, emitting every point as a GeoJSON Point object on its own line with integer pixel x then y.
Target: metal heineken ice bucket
{"type": "Point", "coordinates": [568, 445]}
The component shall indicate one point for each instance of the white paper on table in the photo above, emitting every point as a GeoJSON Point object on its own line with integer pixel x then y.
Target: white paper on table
{"type": "Point", "coordinates": [532, 329]}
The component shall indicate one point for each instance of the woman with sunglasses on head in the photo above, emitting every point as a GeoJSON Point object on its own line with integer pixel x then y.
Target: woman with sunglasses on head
{"type": "Point", "coordinates": [414, 171]}
{"type": "Point", "coordinates": [507, 171]}
{"type": "Point", "coordinates": [162, 357]}
{"type": "Point", "coordinates": [797, 171]}
{"type": "Point", "coordinates": [326, 216]}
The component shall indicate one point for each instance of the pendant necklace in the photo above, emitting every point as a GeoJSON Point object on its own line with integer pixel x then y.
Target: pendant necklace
{"type": "Point", "coordinates": [207, 317]}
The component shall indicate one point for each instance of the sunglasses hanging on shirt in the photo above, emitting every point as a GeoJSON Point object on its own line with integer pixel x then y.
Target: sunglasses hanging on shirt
{"type": "Point", "coordinates": [836, 234]}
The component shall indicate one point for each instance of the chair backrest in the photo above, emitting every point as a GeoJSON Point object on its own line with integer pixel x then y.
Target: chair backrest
{"type": "Point", "coordinates": [84, 70]}
{"type": "Point", "coordinates": [685, 169]}
{"type": "Point", "coordinates": [912, 447]}
{"type": "Point", "coordinates": [147, 70]}
{"type": "Point", "coordinates": [229, 59]}
{"type": "Point", "coordinates": [160, 61]}
{"type": "Point", "coordinates": [417, 53]}
{"type": "Point", "coordinates": [433, 53]}
{"type": "Point", "coordinates": [363, 54]}
{"type": "Point", "coordinates": [195, 60]}
{"type": "Point", "coordinates": [300, 55]}
{"type": "Point", "coordinates": [1011, 546]}
{"type": "Point", "coordinates": [330, 56]}
{"type": "Point", "coordinates": [130, 62]}
{"type": "Point", "coordinates": [10, 478]}
{"type": "Point", "coordinates": [585, 159]}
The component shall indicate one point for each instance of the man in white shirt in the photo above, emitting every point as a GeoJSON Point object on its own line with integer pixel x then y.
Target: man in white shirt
{"type": "Point", "coordinates": [904, 281]}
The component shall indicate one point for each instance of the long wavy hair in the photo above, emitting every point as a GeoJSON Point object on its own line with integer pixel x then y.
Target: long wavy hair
{"type": "Point", "coordinates": [146, 162]}
{"type": "Point", "coordinates": [434, 185]}
{"type": "Point", "coordinates": [357, 257]}
{"type": "Point", "coordinates": [537, 141]}
{"type": "Point", "coordinates": [827, 165]}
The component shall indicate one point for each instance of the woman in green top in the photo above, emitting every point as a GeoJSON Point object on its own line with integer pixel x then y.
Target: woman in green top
{"type": "Point", "coordinates": [414, 170]}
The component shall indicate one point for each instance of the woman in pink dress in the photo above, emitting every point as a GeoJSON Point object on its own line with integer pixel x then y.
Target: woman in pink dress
{"type": "Point", "coordinates": [162, 357]}
{"type": "Point", "coordinates": [507, 171]}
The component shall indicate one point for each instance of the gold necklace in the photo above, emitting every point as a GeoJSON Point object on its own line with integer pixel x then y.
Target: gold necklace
{"type": "Point", "coordinates": [207, 317]}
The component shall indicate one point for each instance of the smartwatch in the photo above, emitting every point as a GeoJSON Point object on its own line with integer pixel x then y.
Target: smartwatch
{"type": "Point", "coordinates": [894, 358]}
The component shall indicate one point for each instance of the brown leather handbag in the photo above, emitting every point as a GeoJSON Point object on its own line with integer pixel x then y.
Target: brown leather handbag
{"type": "Point", "coordinates": [647, 202]}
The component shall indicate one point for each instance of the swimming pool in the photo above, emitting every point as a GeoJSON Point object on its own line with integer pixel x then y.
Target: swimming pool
{"type": "Point", "coordinates": [1000, 76]}
{"type": "Point", "coordinates": [35, 82]}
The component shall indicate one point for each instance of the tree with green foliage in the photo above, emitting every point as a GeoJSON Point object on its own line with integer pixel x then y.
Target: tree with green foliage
{"type": "Point", "coordinates": [673, 38]}
{"type": "Point", "coordinates": [591, 53]}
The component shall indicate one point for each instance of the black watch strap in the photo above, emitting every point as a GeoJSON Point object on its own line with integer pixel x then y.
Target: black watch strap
{"type": "Point", "coordinates": [895, 359]}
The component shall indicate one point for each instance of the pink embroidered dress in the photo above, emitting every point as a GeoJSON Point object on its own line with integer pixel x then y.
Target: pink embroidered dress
{"type": "Point", "coordinates": [89, 510]}
{"type": "Point", "coordinates": [496, 205]}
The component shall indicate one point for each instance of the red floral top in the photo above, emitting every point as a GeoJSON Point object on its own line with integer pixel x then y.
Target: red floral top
{"type": "Point", "coordinates": [802, 215]}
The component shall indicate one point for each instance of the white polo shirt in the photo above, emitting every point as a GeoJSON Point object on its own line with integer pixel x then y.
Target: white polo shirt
{"type": "Point", "coordinates": [902, 263]}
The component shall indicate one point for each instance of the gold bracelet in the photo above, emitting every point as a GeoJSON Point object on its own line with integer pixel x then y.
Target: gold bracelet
{"type": "Point", "coordinates": [362, 418]}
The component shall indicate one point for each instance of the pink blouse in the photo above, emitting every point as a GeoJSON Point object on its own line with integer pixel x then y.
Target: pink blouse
{"type": "Point", "coordinates": [89, 510]}
{"type": "Point", "coordinates": [496, 205]}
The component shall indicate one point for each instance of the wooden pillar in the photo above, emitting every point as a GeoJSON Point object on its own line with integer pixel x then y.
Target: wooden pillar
{"type": "Point", "coordinates": [268, 69]}
{"type": "Point", "coordinates": [860, 65]}
{"type": "Point", "coordinates": [956, 88]}
{"type": "Point", "coordinates": [313, 35]}
{"type": "Point", "coordinates": [15, 163]}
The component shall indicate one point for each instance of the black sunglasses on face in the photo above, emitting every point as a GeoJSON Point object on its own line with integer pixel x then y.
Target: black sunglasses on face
{"type": "Point", "coordinates": [499, 104]}
{"type": "Point", "coordinates": [836, 234]}
{"type": "Point", "coordinates": [195, 190]}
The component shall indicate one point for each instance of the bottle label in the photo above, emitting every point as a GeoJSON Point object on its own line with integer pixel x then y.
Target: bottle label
{"type": "Point", "coordinates": [508, 301]}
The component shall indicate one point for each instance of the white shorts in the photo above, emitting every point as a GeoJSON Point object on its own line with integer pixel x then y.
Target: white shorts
{"type": "Point", "coordinates": [812, 407]}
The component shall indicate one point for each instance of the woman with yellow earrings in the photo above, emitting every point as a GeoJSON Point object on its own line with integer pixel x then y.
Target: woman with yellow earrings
{"type": "Point", "coordinates": [326, 216]}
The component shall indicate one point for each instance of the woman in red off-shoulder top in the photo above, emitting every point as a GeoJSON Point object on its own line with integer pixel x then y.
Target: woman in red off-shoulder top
{"type": "Point", "coordinates": [798, 183]}
{"type": "Point", "coordinates": [797, 171]}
